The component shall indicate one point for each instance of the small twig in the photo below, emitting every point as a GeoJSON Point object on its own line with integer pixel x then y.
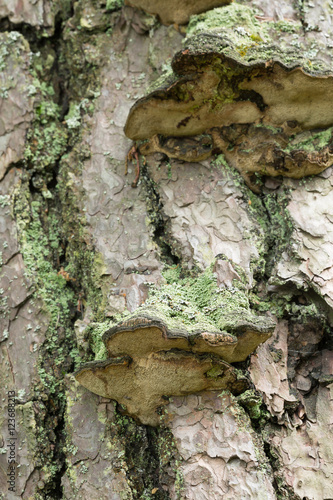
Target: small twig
{"type": "Point", "coordinates": [133, 154]}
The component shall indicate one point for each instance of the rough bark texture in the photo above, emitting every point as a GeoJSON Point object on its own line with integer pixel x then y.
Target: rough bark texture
{"type": "Point", "coordinates": [81, 249]}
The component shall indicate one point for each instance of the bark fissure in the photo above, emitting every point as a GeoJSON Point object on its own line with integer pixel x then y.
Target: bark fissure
{"type": "Point", "coordinates": [56, 353]}
{"type": "Point", "coordinates": [159, 220]}
{"type": "Point", "coordinates": [150, 456]}
{"type": "Point", "coordinates": [282, 490]}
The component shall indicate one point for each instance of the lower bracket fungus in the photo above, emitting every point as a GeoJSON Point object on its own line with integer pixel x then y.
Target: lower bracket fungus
{"type": "Point", "coordinates": [153, 356]}
{"type": "Point", "coordinates": [145, 384]}
{"type": "Point", "coordinates": [239, 73]}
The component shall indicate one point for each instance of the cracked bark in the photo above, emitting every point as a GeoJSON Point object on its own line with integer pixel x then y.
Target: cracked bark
{"type": "Point", "coordinates": [106, 245]}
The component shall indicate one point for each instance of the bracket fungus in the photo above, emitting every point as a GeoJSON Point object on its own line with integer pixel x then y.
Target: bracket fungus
{"type": "Point", "coordinates": [173, 11]}
{"type": "Point", "coordinates": [238, 73]}
{"type": "Point", "coordinates": [150, 361]}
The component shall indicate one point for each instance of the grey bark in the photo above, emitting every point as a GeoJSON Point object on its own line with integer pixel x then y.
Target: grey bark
{"type": "Point", "coordinates": [80, 247]}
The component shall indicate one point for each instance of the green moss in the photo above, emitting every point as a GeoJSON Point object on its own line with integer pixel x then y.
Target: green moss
{"type": "Point", "coordinates": [252, 402]}
{"type": "Point", "coordinates": [230, 17]}
{"type": "Point", "coordinates": [112, 5]}
{"type": "Point", "coordinates": [235, 32]}
{"type": "Point", "coordinates": [197, 303]}
{"type": "Point", "coordinates": [95, 332]}
{"type": "Point", "coordinates": [310, 141]}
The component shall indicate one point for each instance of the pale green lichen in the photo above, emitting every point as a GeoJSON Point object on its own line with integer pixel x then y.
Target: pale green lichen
{"type": "Point", "coordinates": [112, 5]}
{"type": "Point", "coordinates": [286, 26]}
{"type": "Point", "coordinates": [273, 130]}
{"type": "Point", "coordinates": [95, 333]}
{"type": "Point", "coordinates": [13, 50]}
{"type": "Point", "coordinates": [238, 18]}
{"type": "Point", "coordinates": [271, 213]}
{"type": "Point", "coordinates": [73, 117]}
{"type": "Point", "coordinates": [310, 141]}
{"type": "Point", "coordinates": [167, 77]}
{"type": "Point", "coordinates": [50, 286]}
{"type": "Point", "coordinates": [46, 139]}
{"type": "Point", "coordinates": [28, 428]}
{"type": "Point", "coordinates": [198, 304]}
{"type": "Point", "coordinates": [235, 32]}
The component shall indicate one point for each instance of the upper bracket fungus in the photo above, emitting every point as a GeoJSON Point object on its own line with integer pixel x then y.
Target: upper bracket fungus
{"type": "Point", "coordinates": [156, 354]}
{"type": "Point", "coordinates": [173, 11]}
{"type": "Point", "coordinates": [238, 73]}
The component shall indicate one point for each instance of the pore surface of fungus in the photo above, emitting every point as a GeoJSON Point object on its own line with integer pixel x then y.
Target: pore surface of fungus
{"type": "Point", "coordinates": [175, 11]}
{"type": "Point", "coordinates": [235, 71]}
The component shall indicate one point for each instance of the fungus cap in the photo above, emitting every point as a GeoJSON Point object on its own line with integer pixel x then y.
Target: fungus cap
{"type": "Point", "coordinates": [211, 89]}
{"type": "Point", "coordinates": [271, 151]}
{"type": "Point", "coordinates": [144, 333]}
{"type": "Point", "coordinates": [236, 71]}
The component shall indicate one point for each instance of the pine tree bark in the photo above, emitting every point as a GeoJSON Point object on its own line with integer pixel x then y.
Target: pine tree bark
{"type": "Point", "coordinates": [81, 249]}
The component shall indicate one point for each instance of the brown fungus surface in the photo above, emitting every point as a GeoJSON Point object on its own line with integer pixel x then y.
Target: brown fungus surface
{"type": "Point", "coordinates": [144, 333]}
{"type": "Point", "coordinates": [270, 151]}
{"type": "Point", "coordinates": [175, 12]}
{"type": "Point", "coordinates": [236, 72]}
{"type": "Point", "coordinates": [149, 363]}
{"type": "Point", "coordinates": [215, 90]}
{"type": "Point", "coordinates": [145, 384]}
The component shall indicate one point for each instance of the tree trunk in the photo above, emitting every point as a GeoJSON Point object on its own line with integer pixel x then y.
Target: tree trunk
{"type": "Point", "coordinates": [86, 245]}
